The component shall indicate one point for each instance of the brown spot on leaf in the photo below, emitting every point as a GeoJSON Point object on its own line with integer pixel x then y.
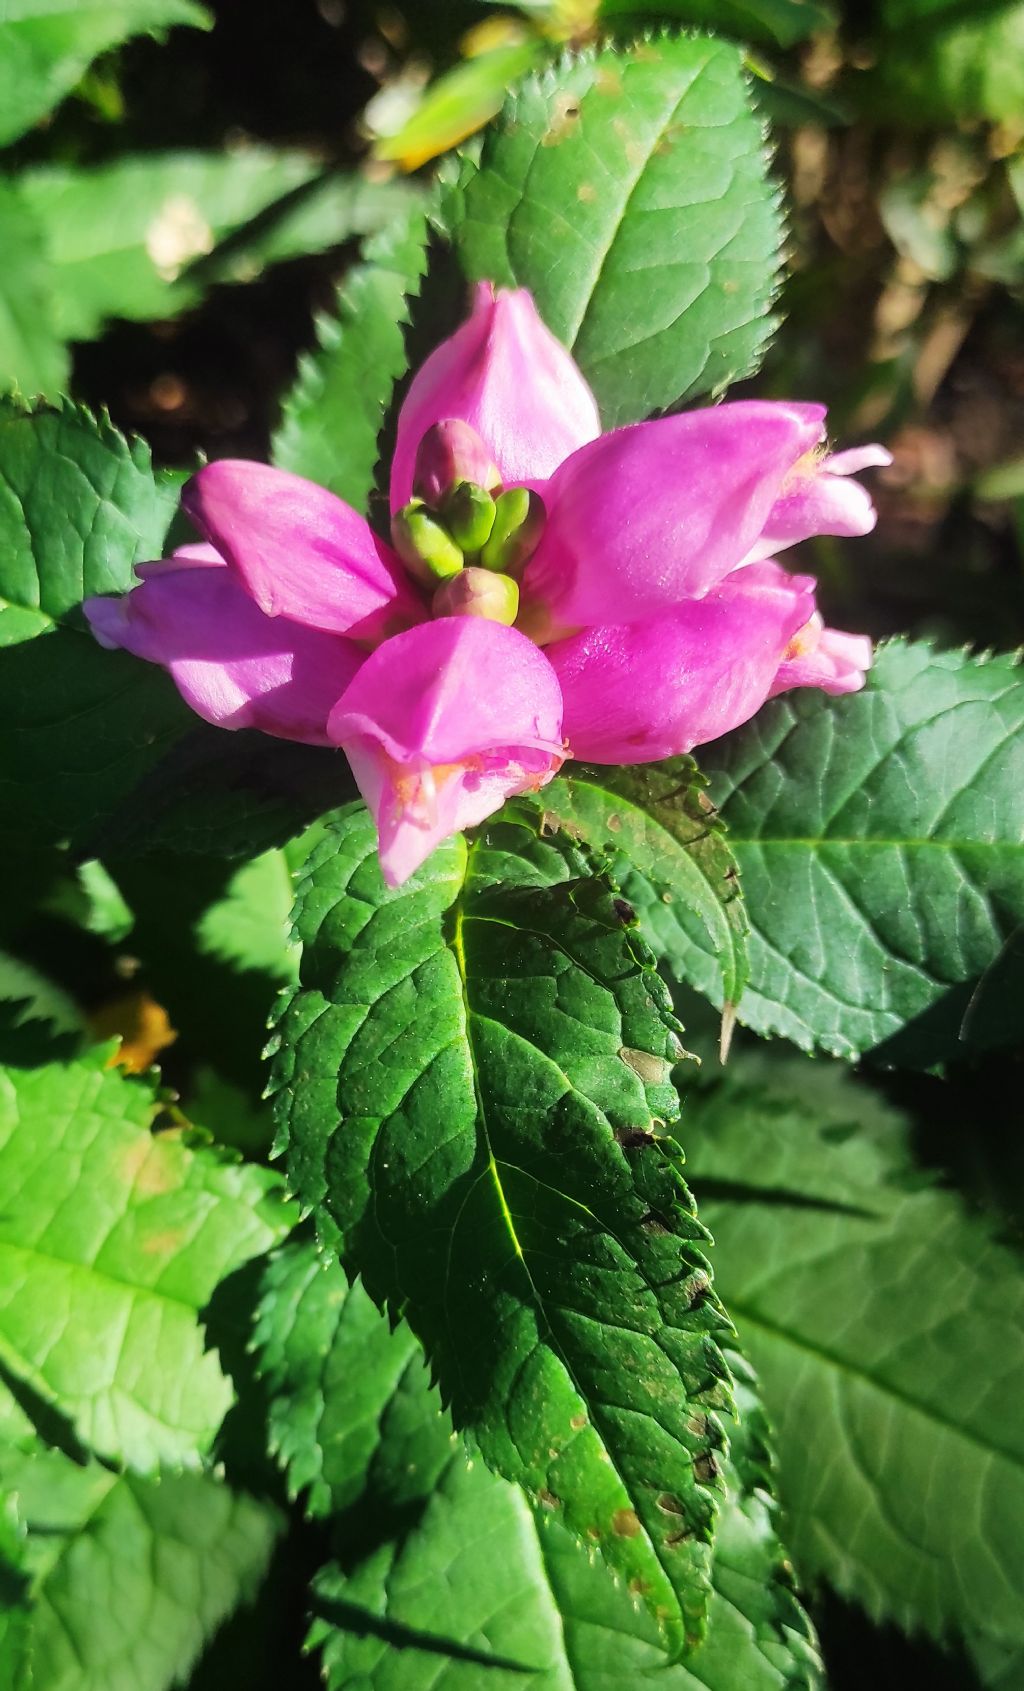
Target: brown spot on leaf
{"type": "Point", "coordinates": [671, 1505]}
{"type": "Point", "coordinates": [565, 115]}
{"type": "Point", "coordinates": [705, 1468]}
{"type": "Point", "coordinates": [587, 193]}
{"type": "Point", "coordinates": [164, 1243]}
{"type": "Point", "coordinates": [625, 1523]}
{"type": "Point", "coordinates": [652, 1070]}
{"type": "Point", "coordinates": [548, 1498]}
{"type": "Point", "coordinates": [632, 1138]}
{"type": "Point", "coordinates": [578, 1423]}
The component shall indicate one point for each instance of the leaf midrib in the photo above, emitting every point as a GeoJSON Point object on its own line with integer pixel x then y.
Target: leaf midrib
{"type": "Point", "coordinates": [459, 956]}
{"type": "Point", "coordinates": [743, 1312]}
{"type": "Point", "coordinates": [85, 1268]}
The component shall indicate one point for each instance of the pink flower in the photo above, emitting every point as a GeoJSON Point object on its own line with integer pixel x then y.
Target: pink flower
{"type": "Point", "coordinates": [638, 568]}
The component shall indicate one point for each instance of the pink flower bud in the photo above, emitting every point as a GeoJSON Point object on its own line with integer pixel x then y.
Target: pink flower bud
{"type": "Point", "coordinates": [451, 452]}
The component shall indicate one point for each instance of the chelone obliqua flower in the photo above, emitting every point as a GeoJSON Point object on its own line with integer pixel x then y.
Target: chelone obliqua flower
{"type": "Point", "coordinates": [549, 591]}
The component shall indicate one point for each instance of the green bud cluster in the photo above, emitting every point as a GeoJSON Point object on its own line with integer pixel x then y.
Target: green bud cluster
{"type": "Point", "coordinates": [471, 547]}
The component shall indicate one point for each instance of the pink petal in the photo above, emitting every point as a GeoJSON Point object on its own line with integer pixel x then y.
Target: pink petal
{"type": "Point", "coordinates": [657, 513]}
{"type": "Point", "coordinates": [441, 725]}
{"type": "Point", "coordinates": [824, 657]}
{"type": "Point", "coordinates": [505, 374]}
{"type": "Point", "coordinates": [301, 552]}
{"type": "Point", "coordinates": [640, 691]}
{"type": "Point", "coordinates": [231, 664]}
{"type": "Point", "coordinates": [819, 497]}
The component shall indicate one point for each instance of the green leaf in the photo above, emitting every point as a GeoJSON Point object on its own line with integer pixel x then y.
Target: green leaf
{"type": "Point", "coordinates": [112, 1239]}
{"type": "Point", "coordinates": [14, 1609]}
{"type": "Point", "coordinates": [459, 103]}
{"type": "Point", "coordinates": [33, 358]}
{"type": "Point", "coordinates": [334, 414]}
{"type": "Point", "coordinates": [879, 839]}
{"type": "Point", "coordinates": [38, 998]}
{"type": "Point", "coordinates": [47, 45]}
{"type": "Point", "coordinates": [630, 193]}
{"type": "Point", "coordinates": [79, 506]}
{"type": "Point", "coordinates": [337, 1378]}
{"type": "Point", "coordinates": [123, 237]}
{"type": "Point", "coordinates": [939, 62]}
{"type": "Point", "coordinates": [671, 859]}
{"type": "Point", "coordinates": [884, 1323]}
{"type": "Point", "coordinates": [249, 924]}
{"type": "Point", "coordinates": [485, 1588]}
{"type": "Point", "coordinates": [472, 1077]}
{"type": "Point", "coordinates": [130, 1576]}
{"type": "Point", "coordinates": [783, 22]}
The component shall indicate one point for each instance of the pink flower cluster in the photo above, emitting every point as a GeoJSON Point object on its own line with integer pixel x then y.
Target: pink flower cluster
{"type": "Point", "coordinates": [652, 616]}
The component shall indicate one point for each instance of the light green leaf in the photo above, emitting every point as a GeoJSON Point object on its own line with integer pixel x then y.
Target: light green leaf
{"type": "Point", "coordinates": [334, 414]}
{"type": "Point", "coordinates": [33, 357]}
{"type": "Point", "coordinates": [487, 1589]}
{"type": "Point", "coordinates": [123, 237]}
{"type": "Point", "coordinates": [671, 859]}
{"type": "Point", "coordinates": [112, 1240]}
{"type": "Point", "coordinates": [472, 1079]}
{"type": "Point", "coordinates": [249, 924]}
{"type": "Point", "coordinates": [78, 508]}
{"type": "Point", "coordinates": [130, 1576]}
{"type": "Point", "coordinates": [630, 193]}
{"type": "Point", "coordinates": [350, 1400]}
{"type": "Point", "coordinates": [783, 22]}
{"type": "Point", "coordinates": [879, 839]}
{"type": "Point", "coordinates": [884, 1323]}
{"type": "Point", "coordinates": [47, 45]}
{"type": "Point", "coordinates": [459, 103]}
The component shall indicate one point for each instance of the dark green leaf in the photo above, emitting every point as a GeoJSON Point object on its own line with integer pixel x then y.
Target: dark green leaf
{"type": "Point", "coordinates": [780, 21]}
{"type": "Point", "coordinates": [78, 508]}
{"type": "Point", "coordinates": [879, 839]}
{"type": "Point", "coordinates": [47, 45]}
{"type": "Point", "coordinates": [630, 193]}
{"type": "Point", "coordinates": [884, 1324]}
{"type": "Point", "coordinates": [333, 416]}
{"type": "Point", "coordinates": [350, 1402]}
{"type": "Point", "coordinates": [112, 1240]}
{"type": "Point", "coordinates": [472, 1080]}
{"type": "Point", "coordinates": [485, 1588]}
{"type": "Point", "coordinates": [672, 861]}
{"type": "Point", "coordinates": [936, 62]}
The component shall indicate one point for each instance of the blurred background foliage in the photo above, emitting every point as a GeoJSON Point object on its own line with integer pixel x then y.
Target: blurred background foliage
{"type": "Point", "coordinates": [188, 209]}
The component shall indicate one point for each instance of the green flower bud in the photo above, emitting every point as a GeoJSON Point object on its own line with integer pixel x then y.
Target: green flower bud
{"type": "Point", "coordinates": [518, 521]}
{"type": "Point", "coordinates": [469, 513]}
{"type": "Point", "coordinates": [424, 545]}
{"type": "Point", "coordinates": [479, 593]}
